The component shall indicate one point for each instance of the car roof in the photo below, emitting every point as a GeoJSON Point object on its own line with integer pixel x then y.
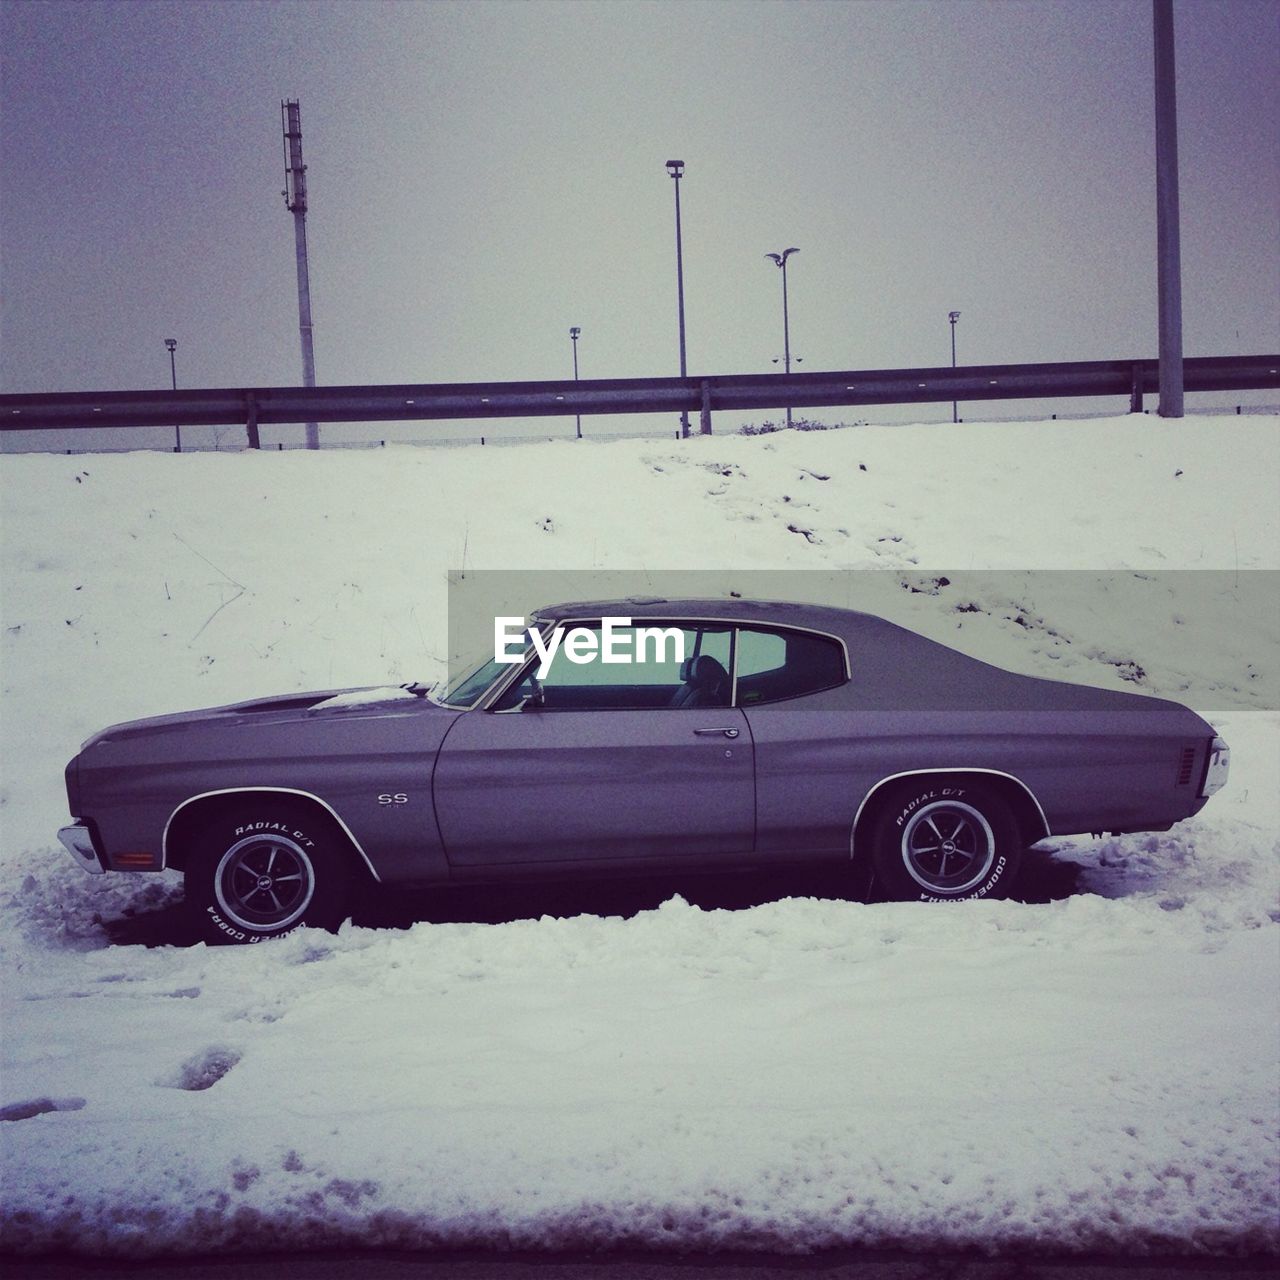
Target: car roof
{"type": "Point", "coordinates": [767, 612]}
{"type": "Point", "coordinates": [891, 668]}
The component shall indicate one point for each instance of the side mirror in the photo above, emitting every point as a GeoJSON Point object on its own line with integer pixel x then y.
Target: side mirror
{"type": "Point", "coordinates": [536, 700]}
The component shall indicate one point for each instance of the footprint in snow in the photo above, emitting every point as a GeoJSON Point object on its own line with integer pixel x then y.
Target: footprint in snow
{"type": "Point", "coordinates": [807, 534]}
{"type": "Point", "coordinates": [39, 1107]}
{"type": "Point", "coordinates": [202, 1070]}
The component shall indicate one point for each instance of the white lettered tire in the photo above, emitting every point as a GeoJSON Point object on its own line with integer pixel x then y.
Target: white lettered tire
{"type": "Point", "coordinates": [260, 869]}
{"type": "Point", "coordinates": [944, 840]}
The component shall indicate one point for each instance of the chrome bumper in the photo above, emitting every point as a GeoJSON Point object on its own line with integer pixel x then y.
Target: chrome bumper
{"type": "Point", "coordinates": [1217, 767]}
{"type": "Point", "coordinates": [77, 841]}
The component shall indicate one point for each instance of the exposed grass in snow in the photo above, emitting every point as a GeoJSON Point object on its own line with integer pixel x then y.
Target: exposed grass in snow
{"type": "Point", "coordinates": [1096, 1073]}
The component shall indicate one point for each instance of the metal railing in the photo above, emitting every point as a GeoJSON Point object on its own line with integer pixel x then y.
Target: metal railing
{"type": "Point", "coordinates": [259, 406]}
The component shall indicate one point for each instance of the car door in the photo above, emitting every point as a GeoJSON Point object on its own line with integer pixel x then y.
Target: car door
{"type": "Point", "coordinates": [606, 770]}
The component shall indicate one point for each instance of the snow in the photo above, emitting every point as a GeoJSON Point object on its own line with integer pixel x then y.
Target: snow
{"type": "Point", "coordinates": [1093, 1073]}
{"type": "Point", "coordinates": [365, 698]}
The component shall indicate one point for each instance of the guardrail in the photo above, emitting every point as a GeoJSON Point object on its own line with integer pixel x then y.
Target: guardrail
{"type": "Point", "coordinates": [258, 406]}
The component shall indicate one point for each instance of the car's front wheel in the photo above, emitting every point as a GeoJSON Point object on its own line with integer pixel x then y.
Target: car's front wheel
{"type": "Point", "coordinates": [944, 841]}
{"type": "Point", "coordinates": [260, 870]}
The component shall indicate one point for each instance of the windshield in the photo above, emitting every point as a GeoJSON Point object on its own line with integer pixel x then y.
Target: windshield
{"type": "Point", "coordinates": [474, 678]}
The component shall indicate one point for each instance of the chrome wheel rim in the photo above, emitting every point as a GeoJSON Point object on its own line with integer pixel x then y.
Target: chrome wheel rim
{"type": "Point", "coordinates": [948, 847]}
{"type": "Point", "coordinates": [264, 882]}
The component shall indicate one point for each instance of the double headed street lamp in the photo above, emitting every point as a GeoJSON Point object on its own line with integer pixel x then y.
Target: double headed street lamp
{"type": "Point", "coordinates": [676, 169]}
{"type": "Point", "coordinates": [780, 259]}
{"type": "Point", "coordinates": [953, 316]}
{"type": "Point", "coordinates": [573, 335]}
{"type": "Point", "coordinates": [171, 345]}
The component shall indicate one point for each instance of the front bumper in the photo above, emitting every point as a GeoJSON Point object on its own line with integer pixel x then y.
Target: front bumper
{"type": "Point", "coordinates": [77, 839]}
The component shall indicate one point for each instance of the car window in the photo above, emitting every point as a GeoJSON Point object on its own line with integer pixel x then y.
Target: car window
{"type": "Point", "coordinates": [679, 666]}
{"type": "Point", "coordinates": [474, 679]}
{"type": "Point", "coordinates": [760, 651]}
{"type": "Point", "coordinates": [773, 665]}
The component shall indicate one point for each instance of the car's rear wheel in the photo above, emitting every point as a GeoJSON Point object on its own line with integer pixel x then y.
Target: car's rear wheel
{"type": "Point", "coordinates": [261, 869]}
{"type": "Point", "coordinates": [944, 841]}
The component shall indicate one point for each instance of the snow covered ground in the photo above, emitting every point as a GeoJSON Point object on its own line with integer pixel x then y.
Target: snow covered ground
{"type": "Point", "coordinates": [1093, 1073]}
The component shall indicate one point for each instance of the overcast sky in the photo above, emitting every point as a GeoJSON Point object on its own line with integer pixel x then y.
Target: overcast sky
{"type": "Point", "coordinates": [484, 175]}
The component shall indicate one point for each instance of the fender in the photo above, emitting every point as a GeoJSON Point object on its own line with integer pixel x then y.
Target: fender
{"type": "Point", "coordinates": [914, 773]}
{"type": "Point", "coordinates": [287, 791]}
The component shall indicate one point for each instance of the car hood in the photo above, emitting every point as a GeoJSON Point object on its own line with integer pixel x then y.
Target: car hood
{"type": "Point", "coordinates": [372, 700]}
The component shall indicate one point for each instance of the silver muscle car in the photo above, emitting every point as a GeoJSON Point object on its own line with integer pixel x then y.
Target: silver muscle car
{"type": "Point", "coordinates": [746, 735]}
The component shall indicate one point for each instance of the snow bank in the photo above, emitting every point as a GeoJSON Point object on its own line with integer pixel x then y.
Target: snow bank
{"type": "Point", "coordinates": [1093, 1073]}
{"type": "Point", "coordinates": [802, 1075]}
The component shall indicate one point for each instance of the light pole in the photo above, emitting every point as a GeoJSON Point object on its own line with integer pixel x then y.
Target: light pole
{"type": "Point", "coordinates": [953, 316]}
{"type": "Point", "coordinates": [573, 334]}
{"type": "Point", "coordinates": [780, 259]}
{"type": "Point", "coordinates": [676, 169]}
{"type": "Point", "coordinates": [171, 345]}
{"type": "Point", "coordinates": [1168, 235]}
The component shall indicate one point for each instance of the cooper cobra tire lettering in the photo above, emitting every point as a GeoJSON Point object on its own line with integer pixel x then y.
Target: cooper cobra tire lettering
{"type": "Point", "coordinates": [225, 927]}
{"type": "Point", "coordinates": [984, 892]}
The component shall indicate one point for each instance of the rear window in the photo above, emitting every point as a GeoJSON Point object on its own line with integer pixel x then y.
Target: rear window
{"type": "Point", "coordinates": [774, 665]}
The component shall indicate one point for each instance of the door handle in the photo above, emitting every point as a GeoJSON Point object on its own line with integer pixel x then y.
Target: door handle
{"type": "Point", "coordinates": [728, 733]}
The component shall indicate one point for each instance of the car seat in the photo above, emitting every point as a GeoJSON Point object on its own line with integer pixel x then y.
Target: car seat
{"type": "Point", "coordinates": [706, 683]}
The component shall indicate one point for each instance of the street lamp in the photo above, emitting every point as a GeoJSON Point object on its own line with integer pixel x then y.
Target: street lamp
{"type": "Point", "coordinates": [780, 259]}
{"type": "Point", "coordinates": [953, 316]}
{"type": "Point", "coordinates": [676, 169]}
{"type": "Point", "coordinates": [573, 334]}
{"type": "Point", "coordinates": [171, 345]}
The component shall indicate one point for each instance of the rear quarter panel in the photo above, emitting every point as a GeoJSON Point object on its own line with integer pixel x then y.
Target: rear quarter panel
{"type": "Point", "coordinates": [1089, 771]}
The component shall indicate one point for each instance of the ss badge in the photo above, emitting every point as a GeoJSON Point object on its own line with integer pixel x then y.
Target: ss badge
{"type": "Point", "coordinates": [388, 798]}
